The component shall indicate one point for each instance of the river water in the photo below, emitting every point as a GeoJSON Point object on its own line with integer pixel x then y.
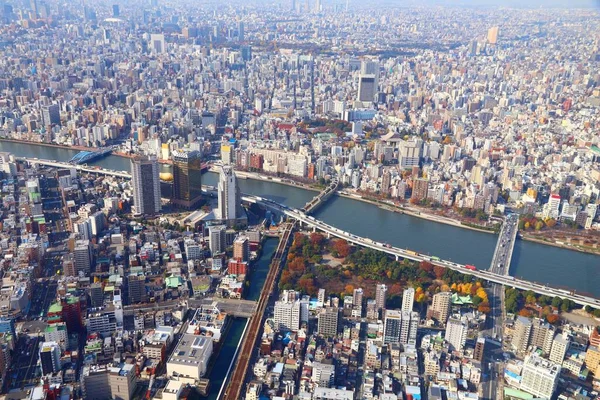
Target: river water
{"type": "Point", "coordinates": [535, 262]}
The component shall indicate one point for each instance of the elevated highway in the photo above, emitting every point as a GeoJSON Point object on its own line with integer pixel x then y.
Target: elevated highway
{"type": "Point", "coordinates": [321, 198]}
{"type": "Point", "coordinates": [398, 253]}
{"type": "Point", "coordinates": [79, 167]}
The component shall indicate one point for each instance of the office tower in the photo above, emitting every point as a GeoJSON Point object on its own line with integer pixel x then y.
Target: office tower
{"type": "Point", "coordinates": [408, 299]}
{"type": "Point", "coordinates": [96, 223]}
{"type": "Point", "coordinates": [366, 87]}
{"type": "Point", "coordinates": [392, 326]}
{"type": "Point", "coordinates": [317, 6]}
{"type": "Point", "coordinates": [33, 4]}
{"type": "Point", "coordinates": [136, 288]}
{"type": "Point", "coordinates": [216, 238]}
{"type": "Point", "coordinates": [440, 307]}
{"type": "Point", "coordinates": [230, 204]}
{"type": "Point", "coordinates": [157, 43]}
{"type": "Point", "coordinates": [241, 31]}
{"type": "Point", "coordinates": [50, 115]}
{"type": "Point", "coordinates": [560, 345]}
{"type": "Point", "coordinates": [49, 357]}
{"type": "Point", "coordinates": [409, 153]}
{"type": "Point", "coordinates": [96, 294]}
{"type": "Point", "coordinates": [82, 228]}
{"type": "Point", "coordinates": [492, 35]}
{"type": "Point", "coordinates": [146, 185]}
{"type": "Point", "coordinates": [241, 248]}
{"type": "Point", "coordinates": [328, 321]}
{"type": "Point", "coordinates": [380, 294]}
{"type": "Point", "coordinates": [540, 376]}
{"type": "Point", "coordinates": [456, 333]}
{"type": "Point", "coordinates": [187, 178]}
{"type": "Point", "coordinates": [420, 189]}
{"type": "Point", "coordinates": [83, 257]}
{"type": "Point", "coordinates": [479, 349]}
{"type": "Point", "coordinates": [116, 11]}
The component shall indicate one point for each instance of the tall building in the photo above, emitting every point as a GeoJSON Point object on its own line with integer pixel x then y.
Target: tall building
{"type": "Point", "coordinates": [83, 257]}
{"type": "Point", "coordinates": [380, 294]}
{"type": "Point", "coordinates": [523, 327]}
{"type": "Point", "coordinates": [230, 204]}
{"type": "Point", "coordinates": [408, 299]}
{"type": "Point", "coordinates": [456, 333]}
{"type": "Point", "coordinates": [440, 306]}
{"type": "Point", "coordinates": [492, 36]}
{"type": "Point", "coordinates": [479, 349]}
{"type": "Point", "coordinates": [408, 329]}
{"type": "Point", "coordinates": [50, 115]}
{"type": "Point", "coordinates": [328, 321]}
{"type": "Point", "coordinates": [289, 313]}
{"type": "Point", "coordinates": [146, 185]}
{"type": "Point", "coordinates": [540, 376]}
{"type": "Point", "coordinates": [560, 345]}
{"type": "Point", "coordinates": [136, 288]}
{"type": "Point", "coordinates": [216, 238]}
{"type": "Point", "coordinates": [116, 11]}
{"type": "Point", "coordinates": [392, 325]}
{"type": "Point", "coordinates": [187, 178]}
{"type": "Point", "coordinates": [241, 248]}
{"type": "Point", "coordinates": [357, 298]}
{"type": "Point", "coordinates": [420, 189]}
{"type": "Point", "coordinates": [50, 357]}
{"type": "Point", "coordinates": [157, 43]}
{"type": "Point", "coordinates": [366, 87]}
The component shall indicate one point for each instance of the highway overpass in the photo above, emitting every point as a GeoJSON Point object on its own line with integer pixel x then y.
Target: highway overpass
{"type": "Point", "coordinates": [83, 167]}
{"type": "Point", "coordinates": [398, 253]}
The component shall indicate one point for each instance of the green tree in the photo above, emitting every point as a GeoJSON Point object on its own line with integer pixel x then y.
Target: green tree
{"type": "Point", "coordinates": [556, 302]}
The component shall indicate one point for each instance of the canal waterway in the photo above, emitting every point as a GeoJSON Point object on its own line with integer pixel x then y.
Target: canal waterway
{"type": "Point", "coordinates": [536, 262]}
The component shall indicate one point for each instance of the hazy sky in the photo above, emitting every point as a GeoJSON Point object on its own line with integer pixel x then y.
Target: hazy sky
{"type": "Point", "coordinates": [494, 3]}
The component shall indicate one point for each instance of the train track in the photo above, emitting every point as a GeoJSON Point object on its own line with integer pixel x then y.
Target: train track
{"type": "Point", "coordinates": [238, 378]}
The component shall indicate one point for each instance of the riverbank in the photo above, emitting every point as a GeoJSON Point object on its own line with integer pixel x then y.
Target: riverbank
{"type": "Point", "coordinates": [564, 246]}
{"type": "Point", "coordinates": [44, 144]}
{"type": "Point", "coordinates": [412, 213]}
{"type": "Point", "coordinates": [265, 178]}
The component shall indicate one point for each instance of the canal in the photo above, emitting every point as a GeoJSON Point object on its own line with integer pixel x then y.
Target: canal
{"type": "Point", "coordinates": [544, 264]}
{"type": "Point", "coordinates": [231, 342]}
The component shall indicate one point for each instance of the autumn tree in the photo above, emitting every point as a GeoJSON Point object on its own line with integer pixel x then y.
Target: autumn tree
{"type": "Point", "coordinates": [552, 319]}
{"type": "Point", "coordinates": [426, 266]}
{"type": "Point", "coordinates": [484, 307]}
{"type": "Point", "coordinates": [439, 271]}
{"type": "Point", "coordinates": [341, 248]}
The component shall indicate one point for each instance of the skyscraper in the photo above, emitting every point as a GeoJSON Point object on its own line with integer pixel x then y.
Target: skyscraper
{"type": "Point", "coordinates": [216, 238]}
{"type": "Point", "coordinates": [392, 324]}
{"type": "Point", "coordinates": [380, 293]}
{"type": "Point", "coordinates": [440, 306]}
{"type": "Point", "coordinates": [146, 185]}
{"type": "Point", "coordinates": [328, 321]}
{"type": "Point", "coordinates": [230, 204]}
{"type": "Point", "coordinates": [50, 115]}
{"type": "Point", "coordinates": [456, 333]}
{"type": "Point", "coordinates": [366, 87]}
{"type": "Point", "coordinates": [187, 178]}
{"type": "Point", "coordinates": [492, 35]}
{"type": "Point", "coordinates": [83, 257]}
{"type": "Point", "coordinates": [408, 299]}
{"type": "Point", "coordinates": [50, 357]}
{"type": "Point", "coordinates": [157, 43]}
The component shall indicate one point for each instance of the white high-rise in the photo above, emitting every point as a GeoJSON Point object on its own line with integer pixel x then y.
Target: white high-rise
{"type": "Point", "coordinates": [540, 376]}
{"type": "Point", "coordinates": [408, 299]}
{"type": "Point", "coordinates": [146, 185]}
{"type": "Point", "coordinates": [230, 207]}
{"type": "Point", "coordinates": [456, 333]}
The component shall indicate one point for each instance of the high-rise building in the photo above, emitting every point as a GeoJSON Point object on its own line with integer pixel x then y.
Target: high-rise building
{"type": "Point", "coordinates": [492, 36]}
{"type": "Point", "coordinates": [560, 345]}
{"type": "Point", "coordinates": [230, 204]}
{"type": "Point", "coordinates": [136, 288]}
{"type": "Point", "coordinates": [116, 11]}
{"type": "Point", "coordinates": [83, 257]}
{"type": "Point", "coordinates": [50, 115]}
{"type": "Point", "coordinates": [187, 178]}
{"type": "Point", "coordinates": [523, 327]}
{"type": "Point", "coordinates": [289, 313]}
{"type": "Point", "coordinates": [241, 248]}
{"type": "Point", "coordinates": [357, 297]}
{"type": "Point", "coordinates": [240, 31]}
{"type": "Point", "coordinates": [96, 294]}
{"type": "Point", "coordinates": [366, 87]}
{"type": "Point", "coordinates": [540, 376]}
{"type": "Point", "coordinates": [456, 333]}
{"type": "Point", "coordinates": [440, 306]}
{"type": "Point", "coordinates": [392, 325]}
{"type": "Point", "coordinates": [380, 294]}
{"type": "Point", "coordinates": [146, 185]}
{"type": "Point", "coordinates": [157, 43]}
{"type": "Point", "coordinates": [420, 189]}
{"type": "Point", "coordinates": [50, 357]}
{"type": "Point", "coordinates": [328, 321]}
{"type": "Point", "coordinates": [217, 239]}
{"type": "Point", "coordinates": [408, 299]}
{"type": "Point", "coordinates": [479, 349]}
{"type": "Point", "coordinates": [408, 329]}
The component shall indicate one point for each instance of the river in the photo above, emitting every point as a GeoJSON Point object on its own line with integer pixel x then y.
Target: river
{"type": "Point", "coordinates": [544, 264]}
